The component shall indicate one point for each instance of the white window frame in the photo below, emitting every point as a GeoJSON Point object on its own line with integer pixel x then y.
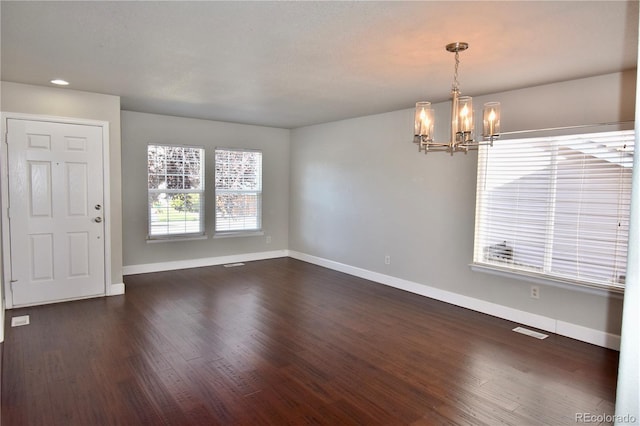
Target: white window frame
{"type": "Point", "coordinates": [221, 231]}
{"type": "Point", "coordinates": [617, 147]}
{"type": "Point", "coordinates": [177, 236]}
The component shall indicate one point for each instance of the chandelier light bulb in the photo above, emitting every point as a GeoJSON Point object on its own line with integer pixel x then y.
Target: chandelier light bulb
{"type": "Point", "coordinates": [465, 121]}
{"type": "Point", "coordinates": [424, 120]}
{"type": "Point", "coordinates": [491, 119]}
{"type": "Point", "coordinates": [462, 124]}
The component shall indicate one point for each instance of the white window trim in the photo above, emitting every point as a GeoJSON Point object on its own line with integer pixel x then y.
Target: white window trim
{"type": "Point", "coordinates": [176, 238]}
{"type": "Point", "coordinates": [200, 235]}
{"type": "Point", "coordinates": [610, 290]}
{"type": "Point", "coordinates": [240, 232]}
{"type": "Point", "coordinates": [232, 234]}
{"type": "Point", "coordinates": [596, 289]}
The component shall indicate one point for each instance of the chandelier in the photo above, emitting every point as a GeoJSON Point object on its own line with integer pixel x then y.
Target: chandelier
{"type": "Point", "coordinates": [462, 126]}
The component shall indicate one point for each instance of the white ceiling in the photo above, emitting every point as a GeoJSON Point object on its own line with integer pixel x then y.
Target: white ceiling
{"type": "Point", "coordinates": [290, 64]}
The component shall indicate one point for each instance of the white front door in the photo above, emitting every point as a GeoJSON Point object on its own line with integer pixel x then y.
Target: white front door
{"type": "Point", "coordinates": [55, 211]}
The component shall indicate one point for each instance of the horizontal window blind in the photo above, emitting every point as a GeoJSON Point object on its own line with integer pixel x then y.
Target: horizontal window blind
{"type": "Point", "coordinates": [238, 190]}
{"type": "Point", "coordinates": [556, 207]}
{"type": "Point", "coordinates": [176, 190]}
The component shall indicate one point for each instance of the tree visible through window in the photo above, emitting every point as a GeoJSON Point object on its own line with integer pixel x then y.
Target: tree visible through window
{"type": "Point", "coordinates": [238, 190]}
{"type": "Point", "coordinates": [176, 190]}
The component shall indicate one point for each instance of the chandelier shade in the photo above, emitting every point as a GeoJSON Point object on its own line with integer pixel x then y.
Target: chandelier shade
{"type": "Point", "coordinates": [462, 120]}
{"type": "Point", "coordinates": [491, 119]}
{"type": "Point", "coordinates": [424, 120]}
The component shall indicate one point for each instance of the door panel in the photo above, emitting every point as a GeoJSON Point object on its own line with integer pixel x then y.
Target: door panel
{"type": "Point", "coordinates": [76, 183]}
{"type": "Point", "coordinates": [78, 243]}
{"type": "Point", "coordinates": [40, 188]}
{"type": "Point", "coordinates": [57, 232]}
{"type": "Point", "coordinates": [41, 257]}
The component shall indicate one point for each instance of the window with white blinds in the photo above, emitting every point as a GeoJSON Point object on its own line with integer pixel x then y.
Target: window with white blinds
{"type": "Point", "coordinates": [238, 190]}
{"type": "Point", "coordinates": [556, 207]}
{"type": "Point", "coordinates": [175, 179]}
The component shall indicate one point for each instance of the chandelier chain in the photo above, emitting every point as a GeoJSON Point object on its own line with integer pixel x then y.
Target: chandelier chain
{"type": "Point", "coordinates": [456, 86]}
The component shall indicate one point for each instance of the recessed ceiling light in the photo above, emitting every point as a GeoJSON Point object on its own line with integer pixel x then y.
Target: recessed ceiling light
{"type": "Point", "coordinates": [60, 82]}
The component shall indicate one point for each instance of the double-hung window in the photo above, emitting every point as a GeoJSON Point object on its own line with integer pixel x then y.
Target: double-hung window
{"type": "Point", "coordinates": [238, 191]}
{"type": "Point", "coordinates": [176, 191]}
{"type": "Point", "coordinates": [556, 207]}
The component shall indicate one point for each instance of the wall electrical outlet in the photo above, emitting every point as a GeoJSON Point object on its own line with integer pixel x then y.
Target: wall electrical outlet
{"type": "Point", "coordinates": [387, 260]}
{"type": "Point", "coordinates": [535, 292]}
{"type": "Point", "coordinates": [268, 239]}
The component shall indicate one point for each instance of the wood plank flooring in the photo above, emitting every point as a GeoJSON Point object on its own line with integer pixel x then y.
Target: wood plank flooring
{"type": "Point", "coordinates": [283, 342]}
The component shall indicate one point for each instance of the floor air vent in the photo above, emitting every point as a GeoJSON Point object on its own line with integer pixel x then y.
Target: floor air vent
{"type": "Point", "coordinates": [530, 333]}
{"type": "Point", "coordinates": [233, 265]}
{"type": "Point", "coordinates": [21, 320]}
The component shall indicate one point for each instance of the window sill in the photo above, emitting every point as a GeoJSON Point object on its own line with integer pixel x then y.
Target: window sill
{"type": "Point", "coordinates": [177, 238]}
{"type": "Point", "coordinates": [614, 292]}
{"type": "Point", "coordinates": [232, 234]}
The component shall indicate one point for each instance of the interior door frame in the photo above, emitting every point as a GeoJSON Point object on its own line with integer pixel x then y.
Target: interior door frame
{"type": "Point", "coordinates": [4, 195]}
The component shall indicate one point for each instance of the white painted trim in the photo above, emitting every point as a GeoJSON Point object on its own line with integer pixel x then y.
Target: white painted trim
{"type": "Point", "coordinates": [552, 325]}
{"type": "Point", "coordinates": [237, 234]}
{"type": "Point", "coordinates": [106, 198]}
{"type": "Point", "coordinates": [197, 263]}
{"type": "Point", "coordinates": [53, 302]}
{"type": "Point", "coordinates": [589, 335]}
{"type": "Point", "coordinates": [4, 191]}
{"type": "Point", "coordinates": [612, 292]}
{"type": "Point", "coordinates": [115, 289]}
{"type": "Point", "coordinates": [4, 194]}
{"type": "Point", "coordinates": [2, 313]}
{"type": "Point", "coordinates": [177, 239]}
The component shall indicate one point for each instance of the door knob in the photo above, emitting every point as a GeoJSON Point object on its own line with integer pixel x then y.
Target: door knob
{"type": "Point", "coordinates": [98, 219]}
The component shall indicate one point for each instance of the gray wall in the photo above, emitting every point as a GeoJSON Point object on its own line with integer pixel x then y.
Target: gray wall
{"type": "Point", "coordinates": [139, 130]}
{"type": "Point", "coordinates": [360, 191]}
{"type": "Point", "coordinates": [51, 101]}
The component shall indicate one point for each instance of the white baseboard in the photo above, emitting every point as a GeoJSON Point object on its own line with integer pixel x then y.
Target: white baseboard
{"type": "Point", "coordinates": [2, 322]}
{"type": "Point", "coordinates": [115, 289]}
{"type": "Point", "coordinates": [197, 263]}
{"type": "Point", "coordinates": [589, 335]}
{"type": "Point", "coordinates": [552, 325]}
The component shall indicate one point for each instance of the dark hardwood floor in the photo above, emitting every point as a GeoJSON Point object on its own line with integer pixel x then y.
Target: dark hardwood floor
{"type": "Point", "coordinates": [283, 342]}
